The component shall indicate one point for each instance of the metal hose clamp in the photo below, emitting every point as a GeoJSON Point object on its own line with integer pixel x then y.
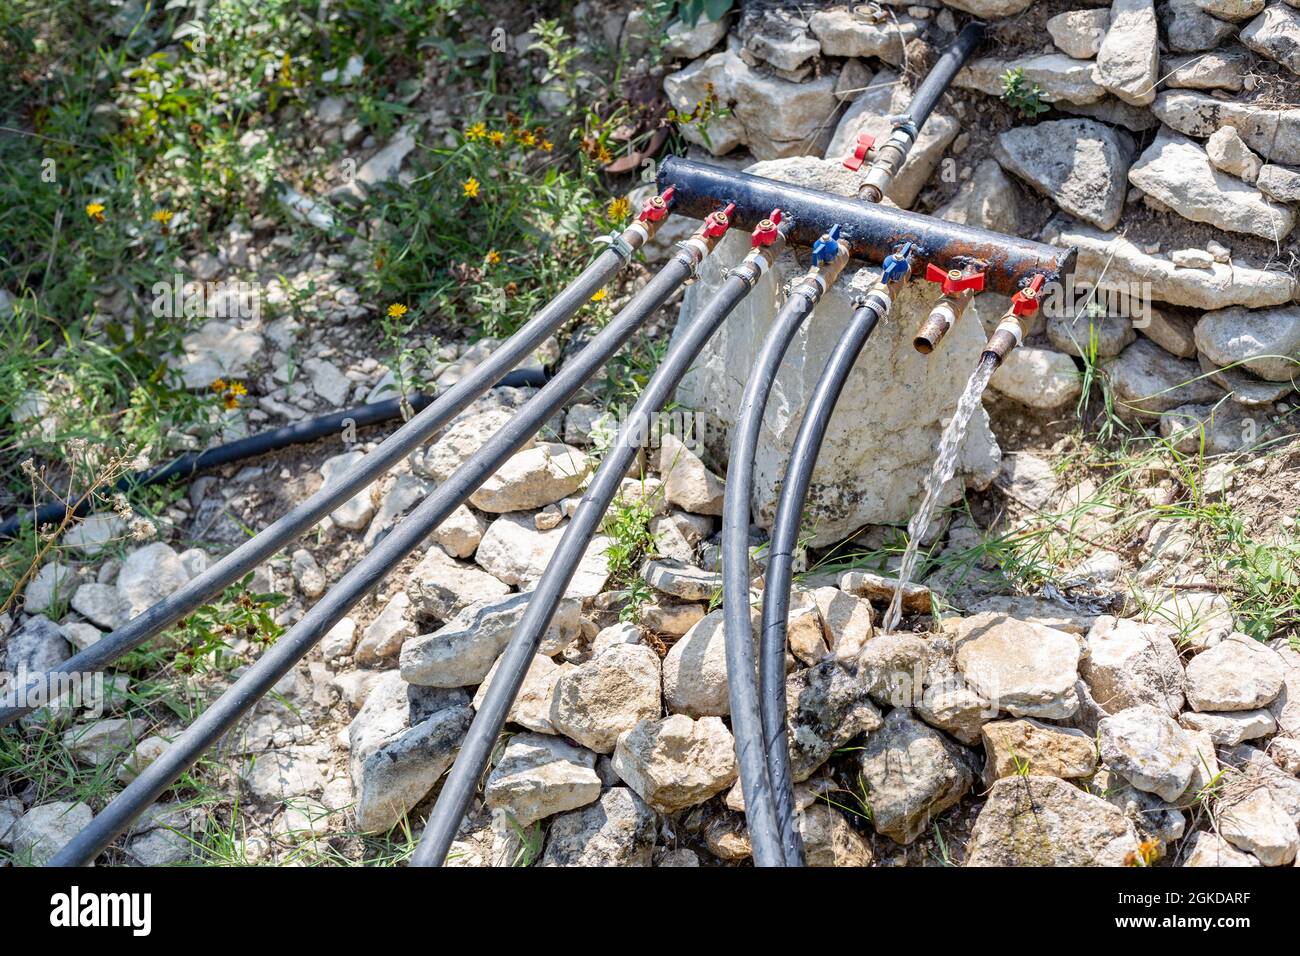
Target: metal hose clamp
{"type": "Point", "coordinates": [618, 244]}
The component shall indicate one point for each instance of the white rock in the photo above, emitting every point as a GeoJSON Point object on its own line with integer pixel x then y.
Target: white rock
{"type": "Point", "coordinates": [1149, 750]}
{"type": "Point", "coordinates": [1024, 669]}
{"type": "Point", "coordinates": [1079, 164]}
{"type": "Point", "coordinates": [1207, 848]}
{"type": "Point", "coordinates": [695, 671]}
{"type": "Point", "coordinates": [355, 513]}
{"type": "Point", "coordinates": [1039, 378]}
{"type": "Point", "coordinates": [1273, 133]}
{"type": "Point", "coordinates": [1236, 674]}
{"type": "Point", "coordinates": [688, 484]}
{"type": "Point", "coordinates": [1231, 9]}
{"type": "Point", "coordinates": [94, 532]}
{"type": "Point", "coordinates": [676, 762]}
{"type": "Point", "coordinates": [1177, 172]}
{"type": "Point", "coordinates": [537, 476]}
{"type": "Point", "coordinates": [384, 165]}
{"type": "Point", "coordinates": [617, 830]}
{"type": "Point", "coordinates": [45, 830]}
{"type": "Point", "coordinates": [532, 705]}
{"type": "Point", "coordinates": [1147, 380]}
{"type": "Point", "coordinates": [1275, 33]}
{"type": "Point", "coordinates": [990, 199]}
{"type": "Point", "coordinates": [687, 43]}
{"type": "Point", "coordinates": [1061, 79]}
{"type": "Point", "coordinates": [102, 604]}
{"type": "Point", "coordinates": [328, 381]}
{"type": "Point", "coordinates": [600, 699]}
{"type": "Point", "coordinates": [339, 639]}
{"type": "Point", "coordinates": [440, 586]}
{"type": "Point", "coordinates": [1228, 152]}
{"type": "Point", "coordinates": [462, 439]}
{"type": "Point", "coordinates": [217, 350]}
{"type": "Point", "coordinates": [1279, 182]}
{"type": "Point", "coordinates": [517, 553]}
{"type": "Point", "coordinates": [386, 634]}
{"type": "Point", "coordinates": [100, 741]}
{"type": "Point", "coordinates": [539, 776]}
{"type": "Point", "coordinates": [405, 494]}
{"type": "Point", "coordinates": [1265, 341]}
{"type": "Point", "coordinates": [1126, 663]}
{"type": "Point", "coordinates": [53, 584]}
{"type": "Point", "coordinates": [1230, 729]}
{"type": "Point", "coordinates": [1079, 32]}
{"type": "Point", "coordinates": [461, 533]}
{"type": "Point", "coordinates": [841, 33]}
{"type": "Point", "coordinates": [149, 574]}
{"type": "Point", "coordinates": [307, 574]}
{"type": "Point", "coordinates": [1253, 821]}
{"type": "Point", "coordinates": [1046, 821]}
{"type": "Point", "coordinates": [1128, 63]}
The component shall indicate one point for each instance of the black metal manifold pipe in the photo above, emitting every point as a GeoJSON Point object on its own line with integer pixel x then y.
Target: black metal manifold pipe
{"type": "Point", "coordinates": [872, 230]}
{"type": "Point", "coordinates": [299, 433]}
{"type": "Point", "coordinates": [304, 516]}
{"type": "Point", "coordinates": [785, 535]}
{"type": "Point", "coordinates": [462, 781]}
{"type": "Point", "coordinates": [406, 536]}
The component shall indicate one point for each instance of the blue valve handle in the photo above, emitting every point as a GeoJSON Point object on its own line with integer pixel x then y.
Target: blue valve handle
{"type": "Point", "coordinates": [826, 248]}
{"type": "Point", "coordinates": [897, 265]}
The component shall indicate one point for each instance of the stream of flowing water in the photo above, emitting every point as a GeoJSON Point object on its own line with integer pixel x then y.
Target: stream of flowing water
{"type": "Point", "coordinates": [945, 465]}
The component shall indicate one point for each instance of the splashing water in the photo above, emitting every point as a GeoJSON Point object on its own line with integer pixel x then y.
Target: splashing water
{"type": "Point", "coordinates": [940, 474]}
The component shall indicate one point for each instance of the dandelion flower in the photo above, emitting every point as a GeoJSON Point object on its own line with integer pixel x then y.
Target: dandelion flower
{"type": "Point", "coordinates": [619, 208]}
{"type": "Point", "coordinates": [470, 188]}
{"type": "Point", "coordinates": [604, 156]}
{"type": "Point", "coordinates": [396, 310]}
{"type": "Point", "coordinates": [163, 216]}
{"type": "Point", "coordinates": [477, 131]}
{"type": "Point", "coordinates": [599, 295]}
{"type": "Point", "coordinates": [95, 211]}
{"type": "Point", "coordinates": [492, 258]}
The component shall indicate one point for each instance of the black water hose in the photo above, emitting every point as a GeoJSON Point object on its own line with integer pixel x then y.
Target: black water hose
{"type": "Point", "coordinates": [302, 517]}
{"type": "Point", "coordinates": [742, 688]}
{"type": "Point", "coordinates": [300, 433]}
{"type": "Point", "coordinates": [940, 75]}
{"type": "Point", "coordinates": [785, 539]}
{"type": "Point", "coordinates": [490, 717]}
{"type": "Point", "coordinates": [261, 676]}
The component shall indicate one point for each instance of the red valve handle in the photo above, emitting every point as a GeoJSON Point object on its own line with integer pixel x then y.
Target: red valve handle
{"type": "Point", "coordinates": [656, 207]}
{"type": "Point", "coordinates": [718, 222]}
{"type": "Point", "coordinates": [1025, 302]}
{"type": "Point", "coordinates": [765, 232]}
{"type": "Point", "coordinates": [864, 145]}
{"type": "Point", "coordinates": [954, 281]}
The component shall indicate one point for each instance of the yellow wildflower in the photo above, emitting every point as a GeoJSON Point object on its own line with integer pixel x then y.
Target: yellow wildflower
{"type": "Point", "coordinates": [236, 388]}
{"type": "Point", "coordinates": [218, 385]}
{"type": "Point", "coordinates": [163, 215]}
{"type": "Point", "coordinates": [470, 188]}
{"type": "Point", "coordinates": [492, 258]}
{"type": "Point", "coordinates": [496, 137]}
{"type": "Point", "coordinates": [526, 138]}
{"type": "Point", "coordinates": [599, 295]}
{"type": "Point", "coordinates": [232, 402]}
{"type": "Point", "coordinates": [547, 145]}
{"type": "Point", "coordinates": [604, 156]}
{"type": "Point", "coordinates": [95, 211]}
{"type": "Point", "coordinates": [477, 131]}
{"type": "Point", "coordinates": [619, 208]}
{"type": "Point", "coordinates": [396, 310]}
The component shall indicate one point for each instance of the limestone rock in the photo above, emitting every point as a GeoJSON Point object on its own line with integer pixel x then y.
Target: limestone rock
{"type": "Point", "coordinates": [1231, 9]}
{"type": "Point", "coordinates": [1149, 750]}
{"type": "Point", "coordinates": [37, 646]}
{"type": "Point", "coordinates": [537, 476]}
{"type": "Point", "coordinates": [462, 651]}
{"type": "Point", "coordinates": [1235, 674]}
{"type": "Point", "coordinates": [1231, 728]}
{"type": "Point", "coordinates": [100, 741]}
{"type": "Point", "coordinates": [772, 116]}
{"type": "Point", "coordinates": [992, 9]}
{"type": "Point", "coordinates": [1078, 333]}
{"type": "Point", "coordinates": [1121, 262]}
{"type": "Point", "coordinates": [1273, 133]}
{"type": "Point", "coordinates": [1062, 79]}
{"type": "Point", "coordinates": [1279, 182]}
{"type": "Point", "coordinates": [532, 705]}
{"type": "Point", "coordinates": [1217, 70]}
{"type": "Point", "coordinates": [826, 707]}
{"type": "Point", "coordinates": [1177, 172]}
{"type": "Point", "coordinates": [911, 773]}
{"type": "Point", "coordinates": [307, 574]}
{"type": "Point", "coordinates": [681, 580]}
{"type": "Point", "coordinates": [1228, 152]}
{"type": "Point", "coordinates": [600, 699]}
{"type": "Point", "coordinates": [217, 350]}
{"type": "Point", "coordinates": [46, 829]}
{"type": "Point", "coordinates": [515, 551]}
{"type": "Point", "coordinates": [387, 633]}
{"type": "Point", "coordinates": [440, 587]}
{"type": "Point", "coordinates": [1253, 821]}
{"type": "Point", "coordinates": [1275, 33]}
{"type": "Point", "coordinates": [1039, 378]}
{"type": "Point", "coordinates": [1265, 341]}
{"type": "Point", "coordinates": [1128, 63]}
{"type": "Point", "coordinates": [462, 439]}
{"type": "Point", "coordinates": [676, 762]}
{"type": "Point", "coordinates": [1126, 663]}
{"type": "Point", "coordinates": [688, 484]}
{"type": "Point", "coordinates": [1189, 29]}
{"type": "Point", "coordinates": [616, 830]}
{"type": "Point", "coordinates": [695, 670]}
{"type": "Point", "coordinates": [1079, 32]}
{"type": "Point", "coordinates": [687, 43]}
{"type": "Point", "coordinates": [1045, 821]}
{"type": "Point", "coordinates": [988, 200]}
{"type": "Point", "coordinates": [1152, 818]}
{"type": "Point", "coordinates": [846, 621]}
{"type": "Point", "coordinates": [842, 34]}
{"type": "Point", "coordinates": [1147, 380]}
{"type": "Point", "coordinates": [355, 513]}
{"type": "Point", "coordinates": [1207, 848]}
{"type": "Point", "coordinates": [539, 776]}
{"type": "Point", "coordinates": [399, 744]}
{"type": "Point", "coordinates": [461, 533]}
{"type": "Point", "coordinates": [1024, 669]}
{"type": "Point", "coordinates": [1029, 746]}
{"type": "Point", "coordinates": [830, 840]}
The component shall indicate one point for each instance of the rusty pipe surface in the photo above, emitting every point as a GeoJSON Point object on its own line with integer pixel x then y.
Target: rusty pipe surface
{"type": "Point", "coordinates": [945, 314]}
{"type": "Point", "coordinates": [872, 231]}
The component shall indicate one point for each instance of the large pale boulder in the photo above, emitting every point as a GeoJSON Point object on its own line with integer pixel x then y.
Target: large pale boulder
{"type": "Point", "coordinates": [870, 475]}
{"type": "Point", "coordinates": [1275, 33]}
{"type": "Point", "coordinates": [1079, 164]}
{"type": "Point", "coordinates": [1129, 60]}
{"type": "Point", "coordinates": [1178, 172]}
